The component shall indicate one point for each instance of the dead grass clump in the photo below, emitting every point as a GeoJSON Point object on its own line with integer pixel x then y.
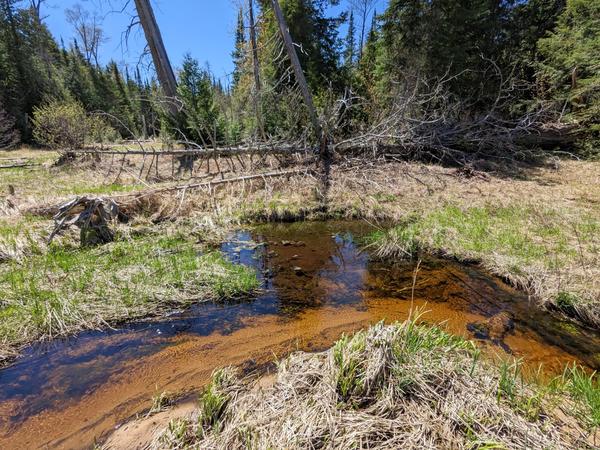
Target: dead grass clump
{"type": "Point", "coordinates": [8, 208]}
{"type": "Point", "coordinates": [400, 386]}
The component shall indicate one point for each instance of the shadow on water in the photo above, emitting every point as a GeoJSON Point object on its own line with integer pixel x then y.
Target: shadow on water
{"type": "Point", "coordinates": [302, 267]}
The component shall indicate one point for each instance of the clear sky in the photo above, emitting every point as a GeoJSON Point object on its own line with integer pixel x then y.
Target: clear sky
{"type": "Point", "coordinates": [204, 28]}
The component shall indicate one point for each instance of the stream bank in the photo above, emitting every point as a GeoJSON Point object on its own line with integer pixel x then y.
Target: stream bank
{"type": "Point", "coordinates": [316, 285]}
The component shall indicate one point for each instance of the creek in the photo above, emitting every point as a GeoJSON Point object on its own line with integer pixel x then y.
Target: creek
{"type": "Point", "coordinates": [316, 285]}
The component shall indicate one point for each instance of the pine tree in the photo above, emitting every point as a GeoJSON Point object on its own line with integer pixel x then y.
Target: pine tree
{"type": "Point", "coordinates": [200, 116]}
{"type": "Point", "coordinates": [239, 51]}
{"type": "Point", "coordinates": [569, 70]}
{"type": "Point", "coordinates": [315, 33]}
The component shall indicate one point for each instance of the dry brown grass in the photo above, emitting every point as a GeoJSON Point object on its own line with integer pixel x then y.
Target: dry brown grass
{"type": "Point", "coordinates": [556, 209]}
{"type": "Point", "coordinates": [541, 232]}
{"type": "Point", "coordinates": [400, 386]}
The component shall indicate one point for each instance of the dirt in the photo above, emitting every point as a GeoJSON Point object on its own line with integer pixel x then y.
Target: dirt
{"type": "Point", "coordinates": [139, 433]}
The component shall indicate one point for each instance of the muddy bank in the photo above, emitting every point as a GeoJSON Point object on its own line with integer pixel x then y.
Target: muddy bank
{"type": "Point", "coordinates": [317, 285]}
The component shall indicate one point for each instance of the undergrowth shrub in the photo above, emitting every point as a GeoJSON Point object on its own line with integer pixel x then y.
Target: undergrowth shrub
{"type": "Point", "coordinates": [66, 126]}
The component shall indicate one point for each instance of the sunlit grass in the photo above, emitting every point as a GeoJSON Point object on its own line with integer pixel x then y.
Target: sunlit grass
{"type": "Point", "coordinates": [66, 289]}
{"type": "Point", "coordinates": [534, 247]}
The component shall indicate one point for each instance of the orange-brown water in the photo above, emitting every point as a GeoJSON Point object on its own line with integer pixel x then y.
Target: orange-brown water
{"type": "Point", "coordinates": [317, 286]}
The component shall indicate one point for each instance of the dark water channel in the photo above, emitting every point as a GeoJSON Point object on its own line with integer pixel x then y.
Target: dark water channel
{"type": "Point", "coordinates": [316, 285]}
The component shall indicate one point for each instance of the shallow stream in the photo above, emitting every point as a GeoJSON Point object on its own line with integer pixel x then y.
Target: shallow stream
{"type": "Point", "coordinates": [317, 284]}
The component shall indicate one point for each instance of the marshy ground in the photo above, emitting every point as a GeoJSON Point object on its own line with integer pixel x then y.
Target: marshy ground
{"type": "Point", "coordinates": [538, 227]}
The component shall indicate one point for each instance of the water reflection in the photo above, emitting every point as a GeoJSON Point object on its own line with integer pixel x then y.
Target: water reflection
{"type": "Point", "coordinates": [303, 267]}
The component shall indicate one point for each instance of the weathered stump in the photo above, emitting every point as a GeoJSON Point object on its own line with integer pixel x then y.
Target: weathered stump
{"type": "Point", "coordinates": [92, 215]}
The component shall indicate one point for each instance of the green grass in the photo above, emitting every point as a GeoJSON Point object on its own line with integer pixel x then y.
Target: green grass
{"type": "Point", "coordinates": [513, 389]}
{"type": "Point", "coordinates": [213, 399]}
{"type": "Point", "coordinates": [181, 433]}
{"type": "Point", "coordinates": [347, 354]}
{"type": "Point", "coordinates": [532, 246]}
{"type": "Point", "coordinates": [352, 359]}
{"type": "Point", "coordinates": [585, 388]}
{"type": "Point", "coordinates": [67, 289]}
{"type": "Point", "coordinates": [481, 230]}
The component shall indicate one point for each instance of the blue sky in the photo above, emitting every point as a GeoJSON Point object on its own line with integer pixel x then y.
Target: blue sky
{"type": "Point", "coordinates": [204, 28]}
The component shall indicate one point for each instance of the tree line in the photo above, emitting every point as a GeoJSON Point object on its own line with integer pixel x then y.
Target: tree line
{"type": "Point", "coordinates": [462, 60]}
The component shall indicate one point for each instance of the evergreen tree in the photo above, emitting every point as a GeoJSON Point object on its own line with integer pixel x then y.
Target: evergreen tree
{"type": "Point", "coordinates": [315, 34]}
{"type": "Point", "coordinates": [238, 53]}
{"type": "Point", "coordinates": [570, 68]}
{"type": "Point", "coordinates": [200, 116]}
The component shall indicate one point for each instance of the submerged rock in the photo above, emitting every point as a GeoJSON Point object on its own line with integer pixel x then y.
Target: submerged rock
{"type": "Point", "coordinates": [494, 329]}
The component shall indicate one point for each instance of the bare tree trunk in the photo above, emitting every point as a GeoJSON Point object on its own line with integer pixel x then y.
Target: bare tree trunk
{"type": "Point", "coordinates": [362, 34]}
{"type": "Point", "coordinates": [324, 154]}
{"type": "Point", "coordinates": [164, 71]}
{"type": "Point", "coordinates": [258, 86]}
{"type": "Point", "coordinates": [300, 78]}
{"type": "Point", "coordinates": [254, 47]}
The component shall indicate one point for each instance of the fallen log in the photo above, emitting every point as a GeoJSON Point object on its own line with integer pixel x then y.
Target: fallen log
{"type": "Point", "coordinates": [52, 210]}
{"type": "Point", "coordinates": [209, 184]}
{"type": "Point", "coordinates": [209, 153]}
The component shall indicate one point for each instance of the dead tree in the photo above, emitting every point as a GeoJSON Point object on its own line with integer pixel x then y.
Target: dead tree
{"type": "Point", "coordinates": [364, 8]}
{"type": "Point", "coordinates": [164, 71]}
{"type": "Point", "coordinates": [254, 47]}
{"type": "Point", "coordinates": [36, 8]}
{"type": "Point", "coordinates": [88, 31]}
{"type": "Point", "coordinates": [257, 83]}
{"type": "Point", "coordinates": [324, 155]}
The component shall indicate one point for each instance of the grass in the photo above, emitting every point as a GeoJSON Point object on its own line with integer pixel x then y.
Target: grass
{"type": "Point", "coordinates": [160, 402]}
{"type": "Point", "coordinates": [66, 289]}
{"type": "Point", "coordinates": [399, 386]}
{"type": "Point", "coordinates": [540, 249]}
{"type": "Point", "coordinates": [586, 389]}
{"type": "Point", "coordinates": [214, 399]}
{"type": "Point", "coordinates": [44, 181]}
{"type": "Point", "coordinates": [351, 376]}
{"type": "Point", "coordinates": [212, 403]}
{"type": "Point", "coordinates": [21, 237]}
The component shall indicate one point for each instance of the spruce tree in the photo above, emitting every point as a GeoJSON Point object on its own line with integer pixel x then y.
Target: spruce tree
{"type": "Point", "coordinates": [239, 51]}
{"type": "Point", "coordinates": [570, 68]}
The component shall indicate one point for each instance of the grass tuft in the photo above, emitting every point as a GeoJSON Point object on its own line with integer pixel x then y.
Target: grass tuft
{"type": "Point", "coordinates": [585, 388]}
{"type": "Point", "coordinates": [214, 399]}
{"type": "Point", "coordinates": [356, 396]}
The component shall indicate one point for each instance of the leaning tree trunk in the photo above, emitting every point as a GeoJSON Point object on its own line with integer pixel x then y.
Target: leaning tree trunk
{"type": "Point", "coordinates": [324, 154]}
{"type": "Point", "coordinates": [164, 71]}
{"type": "Point", "coordinates": [257, 83]}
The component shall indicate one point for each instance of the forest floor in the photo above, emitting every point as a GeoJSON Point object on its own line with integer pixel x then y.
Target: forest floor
{"type": "Point", "coordinates": [536, 226]}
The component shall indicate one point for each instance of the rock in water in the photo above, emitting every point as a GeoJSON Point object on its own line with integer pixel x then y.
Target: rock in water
{"type": "Point", "coordinates": [494, 329]}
